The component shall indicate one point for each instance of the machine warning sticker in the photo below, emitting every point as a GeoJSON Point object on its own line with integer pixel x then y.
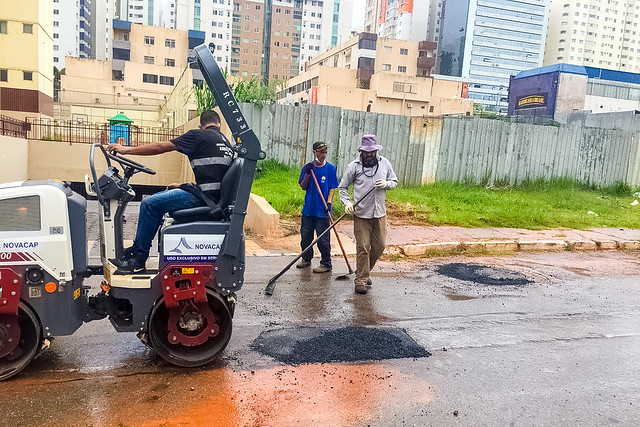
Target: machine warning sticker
{"type": "Point", "coordinates": [188, 270]}
{"type": "Point", "coordinates": [192, 247]}
{"type": "Point", "coordinates": [76, 294]}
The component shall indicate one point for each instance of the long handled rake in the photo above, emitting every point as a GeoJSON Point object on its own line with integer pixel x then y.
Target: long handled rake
{"type": "Point", "coordinates": [272, 282]}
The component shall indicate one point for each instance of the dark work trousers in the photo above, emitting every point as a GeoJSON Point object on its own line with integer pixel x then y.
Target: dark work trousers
{"type": "Point", "coordinates": [307, 228]}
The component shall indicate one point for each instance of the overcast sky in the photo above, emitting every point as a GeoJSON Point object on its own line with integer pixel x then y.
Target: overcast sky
{"type": "Point", "coordinates": [357, 20]}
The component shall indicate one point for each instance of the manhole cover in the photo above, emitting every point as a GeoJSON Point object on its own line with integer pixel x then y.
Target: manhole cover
{"type": "Point", "coordinates": [297, 346]}
{"type": "Point", "coordinates": [483, 274]}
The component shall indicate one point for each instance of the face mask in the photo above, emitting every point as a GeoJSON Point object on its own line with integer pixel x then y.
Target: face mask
{"type": "Point", "coordinates": [368, 162]}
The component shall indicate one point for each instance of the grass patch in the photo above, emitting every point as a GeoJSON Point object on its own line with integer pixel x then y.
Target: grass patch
{"type": "Point", "coordinates": [533, 204]}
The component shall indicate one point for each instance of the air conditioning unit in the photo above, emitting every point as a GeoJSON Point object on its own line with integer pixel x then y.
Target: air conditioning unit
{"type": "Point", "coordinates": [409, 104]}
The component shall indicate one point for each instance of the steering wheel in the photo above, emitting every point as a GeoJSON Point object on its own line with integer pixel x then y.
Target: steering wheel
{"type": "Point", "coordinates": [121, 160]}
{"type": "Point", "coordinates": [126, 162]}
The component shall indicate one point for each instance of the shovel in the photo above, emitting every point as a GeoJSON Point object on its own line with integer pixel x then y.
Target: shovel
{"type": "Point", "coordinates": [272, 283]}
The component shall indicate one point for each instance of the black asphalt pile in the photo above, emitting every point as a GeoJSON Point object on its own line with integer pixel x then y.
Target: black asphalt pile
{"type": "Point", "coordinates": [296, 346]}
{"type": "Point", "coordinates": [483, 274]}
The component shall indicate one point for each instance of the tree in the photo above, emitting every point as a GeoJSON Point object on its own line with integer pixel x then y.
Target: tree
{"type": "Point", "coordinates": [251, 91]}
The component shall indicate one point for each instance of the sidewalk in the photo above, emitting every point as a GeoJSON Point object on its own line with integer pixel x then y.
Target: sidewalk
{"type": "Point", "coordinates": [411, 240]}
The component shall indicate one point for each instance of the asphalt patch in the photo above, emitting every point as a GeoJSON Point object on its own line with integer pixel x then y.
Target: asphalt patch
{"type": "Point", "coordinates": [483, 274]}
{"type": "Point", "coordinates": [304, 345]}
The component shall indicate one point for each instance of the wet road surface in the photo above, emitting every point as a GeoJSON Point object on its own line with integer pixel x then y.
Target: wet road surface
{"type": "Point", "coordinates": [534, 339]}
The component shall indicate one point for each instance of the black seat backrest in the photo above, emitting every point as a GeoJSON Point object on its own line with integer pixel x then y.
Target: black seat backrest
{"type": "Point", "coordinates": [229, 184]}
{"type": "Point", "coordinates": [228, 191]}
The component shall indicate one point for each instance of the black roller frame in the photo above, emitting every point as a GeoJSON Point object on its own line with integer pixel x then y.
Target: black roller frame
{"type": "Point", "coordinates": [229, 268]}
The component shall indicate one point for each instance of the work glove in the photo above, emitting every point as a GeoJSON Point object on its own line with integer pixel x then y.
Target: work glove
{"type": "Point", "coordinates": [308, 168]}
{"type": "Point", "coordinates": [329, 209]}
{"type": "Point", "coordinates": [381, 184]}
{"type": "Point", "coordinates": [348, 208]}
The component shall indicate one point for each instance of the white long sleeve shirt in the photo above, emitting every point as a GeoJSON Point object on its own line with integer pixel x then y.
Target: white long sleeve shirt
{"type": "Point", "coordinates": [363, 179]}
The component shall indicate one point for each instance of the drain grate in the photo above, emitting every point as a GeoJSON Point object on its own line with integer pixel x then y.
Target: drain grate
{"type": "Point", "coordinates": [303, 345]}
{"type": "Point", "coordinates": [483, 274]}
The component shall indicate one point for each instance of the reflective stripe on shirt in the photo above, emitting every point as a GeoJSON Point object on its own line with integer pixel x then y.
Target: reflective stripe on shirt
{"type": "Point", "coordinates": [210, 187]}
{"type": "Point", "coordinates": [211, 161]}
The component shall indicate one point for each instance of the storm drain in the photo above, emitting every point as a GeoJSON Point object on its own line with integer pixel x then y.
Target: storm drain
{"type": "Point", "coordinates": [483, 274]}
{"type": "Point", "coordinates": [296, 346]}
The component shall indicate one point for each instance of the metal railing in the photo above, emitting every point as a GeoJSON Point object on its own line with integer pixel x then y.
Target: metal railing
{"type": "Point", "coordinates": [88, 133]}
{"type": "Point", "coordinates": [13, 127]}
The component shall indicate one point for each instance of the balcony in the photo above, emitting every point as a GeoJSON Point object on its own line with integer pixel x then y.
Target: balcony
{"type": "Point", "coordinates": [425, 62]}
{"type": "Point", "coordinates": [426, 45]}
{"type": "Point", "coordinates": [121, 44]}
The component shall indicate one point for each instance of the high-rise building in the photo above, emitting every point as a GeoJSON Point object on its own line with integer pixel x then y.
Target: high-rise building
{"type": "Point", "coordinates": [213, 17]}
{"type": "Point", "coordinates": [26, 60]}
{"type": "Point", "coordinates": [71, 30]}
{"type": "Point", "coordinates": [102, 14]}
{"type": "Point", "coordinates": [403, 19]}
{"type": "Point", "coordinates": [159, 13]}
{"type": "Point", "coordinates": [484, 42]}
{"type": "Point", "coordinates": [595, 34]}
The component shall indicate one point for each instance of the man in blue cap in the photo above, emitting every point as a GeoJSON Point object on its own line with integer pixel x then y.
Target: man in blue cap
{"type": "Point", "coordinates": [368, 170]}
{"type": "Point", "coordinates": [315, 217]}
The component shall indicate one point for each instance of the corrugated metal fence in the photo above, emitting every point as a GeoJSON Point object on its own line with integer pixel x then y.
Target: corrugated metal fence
{"type": "Point", "coordinates": [424, 150]}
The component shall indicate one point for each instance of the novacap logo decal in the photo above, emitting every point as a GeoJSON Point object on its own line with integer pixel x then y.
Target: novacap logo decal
{"type": "Point", "coordinates": [192, 247]}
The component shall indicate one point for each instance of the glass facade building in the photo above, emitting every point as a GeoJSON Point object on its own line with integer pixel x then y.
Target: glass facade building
{"type": "Point", "coordinates": [484, 42]}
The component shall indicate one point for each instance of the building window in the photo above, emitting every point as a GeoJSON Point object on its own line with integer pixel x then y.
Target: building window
{"type": "Point", "coordinates": [27, 28]}
{"type": "Point", "coordinates": [27, 75]}
{"type": "Point", "coordinates": [56, 35]}
{"type": "Point", "coordinates": [148, 60]}
{"type": "Point", "coordinates": [149, 40]}
{"type": "Point", "coordinates": [4, 75]}
{"type": "Point", "coordinates": [3, 27]}
{"type": "Point", "coordinates": [150, 78]}
{"type": "Point", "coordinates": [386, 67]}
{"type": "Point", "coordinates": [398, 87]}
{"type": "Point", "coordinates": [404, 51]}
{"type": "Point", "coordinates": [402, 69]}
{"type": "Point", "coordinates": [56, 24]}
{"type": "Point", "coordinates": [169, 43]}
{"type": "Point", "coordinates": [165, 80]}
{"type": "Point", "coordinates": [168, 62]}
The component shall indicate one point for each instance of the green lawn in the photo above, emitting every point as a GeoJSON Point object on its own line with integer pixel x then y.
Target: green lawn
{"type": "Point", "coordinates": [559, 203]}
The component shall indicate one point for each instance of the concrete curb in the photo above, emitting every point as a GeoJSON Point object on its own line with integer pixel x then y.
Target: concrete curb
{"type": "Point", "coordinates": [509, 246]}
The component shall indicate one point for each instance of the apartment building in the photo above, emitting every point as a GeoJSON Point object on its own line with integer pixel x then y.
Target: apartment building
{"type": "Point", "coordinates": [484, 42]}
{"type": "Point", "coordinates": [102, 14]}
{"type": "Point", "coordinates": [403, 19]}
{"type": "Point", "coordinates": [147, 63]}
{"type": "Point", "coordinates": [382, 75]}
{"type": "Point", "coordinates": [71, 30]}
{"type": "Point", "coordinates": [26, 60]}
{"type": "Point", "coordinates": [595, 34]}
{"type": "Point", "coordinates": [160, 13]}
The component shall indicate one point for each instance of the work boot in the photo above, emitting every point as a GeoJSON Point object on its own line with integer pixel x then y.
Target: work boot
{"type": "Point", "coordinates": [361, 288]}
{"type": "Point", "coordinates": [303, 264]}
{"type": "Point", "coordinates": [129, 264]}
{"type": "Point", "coordinates": [322, 269]}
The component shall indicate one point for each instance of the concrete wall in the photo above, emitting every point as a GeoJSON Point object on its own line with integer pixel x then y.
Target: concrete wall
{"type": "Point", "coordinates": [70, 162]}
{"type": "Point", "coordinates": [572, 90]}
{"type": "Point", "coordinates": [14, 158]}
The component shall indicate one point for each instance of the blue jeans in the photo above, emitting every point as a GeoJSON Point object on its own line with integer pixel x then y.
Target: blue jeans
{"type": "Point", "coordinates": [152, 210]}
{"type": "Point", "coordinates": [317, 224]}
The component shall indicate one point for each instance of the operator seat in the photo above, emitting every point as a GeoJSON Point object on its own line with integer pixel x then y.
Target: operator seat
{"type": "Point", "coordinates": [222, 211]}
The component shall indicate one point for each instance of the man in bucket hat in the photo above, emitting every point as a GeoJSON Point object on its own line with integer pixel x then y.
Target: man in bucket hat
{"type": "Point", "coordinates": [315, 217]}
{"type": "Point", "coordinates": [368, 170]}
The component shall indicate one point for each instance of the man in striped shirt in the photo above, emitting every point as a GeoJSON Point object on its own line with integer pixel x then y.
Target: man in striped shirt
{"type": "Point", "coordinates": [210, 155]}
